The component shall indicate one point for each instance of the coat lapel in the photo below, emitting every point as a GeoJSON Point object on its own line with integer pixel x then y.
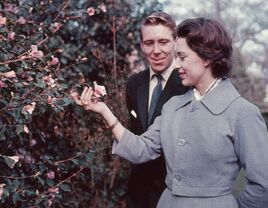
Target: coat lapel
{"type": "Point", "coordinates": [221, 97]}
{"type": "Point", "coordinates": [142, 102]}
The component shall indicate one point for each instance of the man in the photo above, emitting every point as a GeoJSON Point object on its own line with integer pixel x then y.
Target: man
{"type": "Point", "coordinates": [146, 93]}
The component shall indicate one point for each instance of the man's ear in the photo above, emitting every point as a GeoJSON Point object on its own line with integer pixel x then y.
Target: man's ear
{"type": "Point", "coordinates": [141, 45]}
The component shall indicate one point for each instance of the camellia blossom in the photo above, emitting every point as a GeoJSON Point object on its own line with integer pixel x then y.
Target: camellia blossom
{"type": "Point", "coordinates": [99, 90]}
{"type": "Point", "coordinates": [10, 8]}
{"type": "Point", "coordinates": [55, 27]}
{"type": "Point", "coordinates": [32, 142]}
{"type": "Point", "coordinates": [10, 35]}
{"type": "Point", "coordinates": [26, 129]}
{"type": "Point", "coordinates": [103, 8]}
{"type": "Point", "coordinates": [1, 189]}
{"type": "Point", "coordinates": [35, 53]}
{"type": "Point", "coordinates": [21, 21]}
{"type": "Point", "coordinates": [54, 60]}
{"type": "Point", "coordinates": [28, 108]}
{"type": "Point", "coordinates": [53, 190]}
{"type": "Point", "coordinates": [50, 174]}
{"type": "Point", "coordinates": [10, 74]}
{"type": "Point", "coordinates": [2, 84]}
{"type": "Point", "coordinates": [90, 11]}
{"type": "Point", "coordinates": [3, 20]}
{"type": "Point", "coordinates": [49, 80]}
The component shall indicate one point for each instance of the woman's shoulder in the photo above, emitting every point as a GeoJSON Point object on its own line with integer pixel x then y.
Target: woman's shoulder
{"type": "Point", "coordinates": [179, 100]}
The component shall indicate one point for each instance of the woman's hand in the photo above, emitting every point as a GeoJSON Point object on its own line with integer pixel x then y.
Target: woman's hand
{"type": "Point", "coordinates": [90, 102]}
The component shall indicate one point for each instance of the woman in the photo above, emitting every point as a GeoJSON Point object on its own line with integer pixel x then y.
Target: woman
{"type": "Point", "coordinates": [206, 135]}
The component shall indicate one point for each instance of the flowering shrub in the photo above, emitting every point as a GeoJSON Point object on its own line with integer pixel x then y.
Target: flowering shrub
{"type": "Point", "coordinates": [53, 153]}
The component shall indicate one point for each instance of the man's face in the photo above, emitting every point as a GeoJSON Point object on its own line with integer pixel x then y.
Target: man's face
{"type": "Point", "coordinates": [158, 46]}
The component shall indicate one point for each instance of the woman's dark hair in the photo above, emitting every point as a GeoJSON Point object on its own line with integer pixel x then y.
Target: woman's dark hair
{"type": "Point", "coordinates": [210, 41]}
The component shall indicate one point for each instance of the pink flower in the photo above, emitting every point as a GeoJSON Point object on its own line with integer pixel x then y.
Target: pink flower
{"type": "Point", "coordinates": [10, 35]}
{"type": "Point", "coordinates": [35, 53]}
{"type": "Point", "coordinates": [26, 129]}
{"type": "Point", "coordinates": [28, 108]}
{"type": "Point", "coordinates": [55, 27]}
{"type": "Point", "coordinates": [1, 189]}
{"type": "Point", "coordinates": [3, 20]}
{"type": "Point", "coordinates": [50, 174]}
{"type": "Point", "coordinates": [2, 85]}
{"type": "Point", "coordinates": [21, 21]}
{"type": "Point", "coordinates": [53, 190]}
{"type": "Point", "coordinates": [10, 74]}
{"type": "Point", "coordinates": [103, 8]}
{"type": "Point", "coordinates": [54, 60]}
{"type": "Point", "coordinates": [49, 100]}
{"type": "Point", "coordinates": [90, 11]}
{"type": "Point", "coordinates": [99, 91]}
{"type": "Point", "coordinates": [49, 80]}
{"type": "Point", "coordinates": [32, 142]}
{"type": "Point", "coordinates": [10, 8]}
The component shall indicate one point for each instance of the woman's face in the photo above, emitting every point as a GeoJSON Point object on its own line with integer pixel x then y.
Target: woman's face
{"type": "Point", "coordinates": [192, 70]}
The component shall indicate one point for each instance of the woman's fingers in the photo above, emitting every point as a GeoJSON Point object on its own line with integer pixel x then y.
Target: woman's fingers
{"type": "Point", "coordinates": [82, 98]}
{"type": "Point", "coordinates": [77, 100]}
{"type": "Point", "coordinates": [88, 95]}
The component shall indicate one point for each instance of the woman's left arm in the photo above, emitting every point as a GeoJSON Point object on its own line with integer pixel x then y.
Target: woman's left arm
{"type": "Point", "coordinates": [251, 144]}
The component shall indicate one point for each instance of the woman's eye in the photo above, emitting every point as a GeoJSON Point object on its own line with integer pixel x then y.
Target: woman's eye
{"type": "Point", "coordinates": [182, 58]}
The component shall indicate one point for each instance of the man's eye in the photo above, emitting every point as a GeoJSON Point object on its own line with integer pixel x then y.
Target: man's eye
{"type": "Point", "coordinates": [148, 43]}
{"type": "Point", "coordinates": [182, 58]}
{"type": "Point", "coordinates": [163, 41]}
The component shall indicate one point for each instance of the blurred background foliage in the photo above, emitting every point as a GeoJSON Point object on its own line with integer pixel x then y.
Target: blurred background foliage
{"type": "Point", "coordinates": [52, 152]}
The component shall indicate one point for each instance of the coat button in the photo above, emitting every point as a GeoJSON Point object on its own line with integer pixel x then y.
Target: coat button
{"type": "Point", "coordinates": [177, 178]}
{"type": "Point", "coordinates": [182, 142]}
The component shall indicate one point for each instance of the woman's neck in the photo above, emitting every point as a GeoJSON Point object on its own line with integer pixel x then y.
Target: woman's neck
{"type": "Point", "coordinates": [205, 86]}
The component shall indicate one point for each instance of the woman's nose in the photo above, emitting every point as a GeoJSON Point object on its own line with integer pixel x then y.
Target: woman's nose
{"type": "Point", "coordinates": [177, 64]}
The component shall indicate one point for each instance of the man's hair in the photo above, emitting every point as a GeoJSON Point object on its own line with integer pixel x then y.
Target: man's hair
{"type": "Point", "coordinates": [159, 18]}
{"type": "Point", "coordinates": [210, 41]}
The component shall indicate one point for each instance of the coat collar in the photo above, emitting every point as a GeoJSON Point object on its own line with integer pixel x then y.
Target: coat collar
{"type": "Point", "coordinates": [217, 101]}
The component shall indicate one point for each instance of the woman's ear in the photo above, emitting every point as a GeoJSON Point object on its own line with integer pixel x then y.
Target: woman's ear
{"type": "Point", "coordinates": [207, 63]}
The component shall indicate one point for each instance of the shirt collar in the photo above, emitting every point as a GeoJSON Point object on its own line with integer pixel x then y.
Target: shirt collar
{"type": "Point", "coordinates": [165, 74]}
{"type": "Point", "coordinates": [214, 84]}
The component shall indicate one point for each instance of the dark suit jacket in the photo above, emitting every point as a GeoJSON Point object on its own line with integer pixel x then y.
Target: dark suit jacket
{"type": "Point", "coordinates": [147, 180]}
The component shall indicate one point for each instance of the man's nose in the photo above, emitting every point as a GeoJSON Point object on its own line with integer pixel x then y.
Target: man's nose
{"type": "Point", "coordinates": [156, 48]}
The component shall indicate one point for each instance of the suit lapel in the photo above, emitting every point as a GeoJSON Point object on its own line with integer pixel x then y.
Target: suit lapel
{"type": "Point", "coordinates": [143, 92]}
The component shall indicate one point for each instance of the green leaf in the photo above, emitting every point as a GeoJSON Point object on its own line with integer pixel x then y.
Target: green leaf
{"type": "Point", "coordinates": [11, 161]}
{"type": "Point", "coordinates": [41, 181]}
{"type": "Point", "coordinates": [19, 129]}
{"type": "Point", "coordinates": [75, 161]}
{"type": "Point", "coordinates": [15, 197]}
{"type": "Point", "coordinates": [2, 136]}
{"type": "Point", "coordinates": [65, 187]}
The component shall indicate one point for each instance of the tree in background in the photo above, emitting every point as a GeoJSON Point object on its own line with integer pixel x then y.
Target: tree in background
{"type": "Point", "coordinates": [247, 22]}
{"type": "Point", "coordinates": [51, 154]}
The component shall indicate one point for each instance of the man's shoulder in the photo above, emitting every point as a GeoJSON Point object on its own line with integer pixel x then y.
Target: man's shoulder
{"type": "Point", "coordinates": [138, 77]}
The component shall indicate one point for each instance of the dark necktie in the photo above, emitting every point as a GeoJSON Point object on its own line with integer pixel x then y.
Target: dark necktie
{"type": "Point", "coordinates": [155, 97]}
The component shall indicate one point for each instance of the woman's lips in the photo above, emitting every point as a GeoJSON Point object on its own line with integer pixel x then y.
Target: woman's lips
{"type": "Point", "coordinates": [182, 75]}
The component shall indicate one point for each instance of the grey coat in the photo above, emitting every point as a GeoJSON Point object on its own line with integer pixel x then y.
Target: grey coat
{"type": "Point", "coordinates": [205, 144]}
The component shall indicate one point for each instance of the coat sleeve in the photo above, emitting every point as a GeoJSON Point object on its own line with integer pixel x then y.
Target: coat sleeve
{"type": "Point", "coordinates": [251, 145]}
{"type": "Point", "coordinates": [140, 149]}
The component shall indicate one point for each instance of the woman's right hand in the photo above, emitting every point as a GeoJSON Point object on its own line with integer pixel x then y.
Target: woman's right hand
{"type": "Point", "coordinates": [89, 102]}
